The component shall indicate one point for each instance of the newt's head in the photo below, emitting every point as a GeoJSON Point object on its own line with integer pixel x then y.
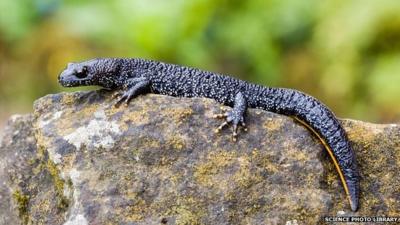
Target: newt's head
{"type": "Point", "coordinates": [99, 72]}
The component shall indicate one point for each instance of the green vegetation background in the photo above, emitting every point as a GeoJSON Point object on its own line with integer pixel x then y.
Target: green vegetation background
{"type": "Point", "coordinates": [345, 53]}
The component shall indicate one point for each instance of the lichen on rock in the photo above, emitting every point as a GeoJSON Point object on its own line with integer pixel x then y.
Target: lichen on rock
{"type": "Point", "coordinates": [80, 160]}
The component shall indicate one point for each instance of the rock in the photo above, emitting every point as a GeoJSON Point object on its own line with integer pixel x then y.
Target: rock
{"type": "Point", "coordinates": [31, 189]}
{"type": "Point", "coordinates": [80, 160]}
{"type": "Point", "coordinates": [14, 153]}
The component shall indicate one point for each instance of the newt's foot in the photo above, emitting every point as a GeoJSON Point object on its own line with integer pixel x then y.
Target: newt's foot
{"type": "Point", "coordinates": [133, 88]}
{"type": "Point", "coordinates": [121, 97]}
{"type": "Point", "coordinates": [125, 97]}
{"type": "Point", "coordinates": [231, 117]}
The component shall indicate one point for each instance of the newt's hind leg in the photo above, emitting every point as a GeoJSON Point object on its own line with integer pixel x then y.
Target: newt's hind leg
{"type": "Point", "coordinates": [234, 116]}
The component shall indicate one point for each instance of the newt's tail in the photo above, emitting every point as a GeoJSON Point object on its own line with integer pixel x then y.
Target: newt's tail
{"type": "Point", "coordinates": [349, 176]}
{"type": "Point", "coordinates": [323, 123]}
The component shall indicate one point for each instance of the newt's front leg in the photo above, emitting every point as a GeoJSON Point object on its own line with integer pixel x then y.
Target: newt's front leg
{"type": "Point", "coordinates": [133, 88]}
{"type": "Point", "coordinates": [234, 116]}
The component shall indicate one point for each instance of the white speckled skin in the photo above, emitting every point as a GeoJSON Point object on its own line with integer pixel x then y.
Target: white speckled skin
{"type": "Point", "coordinates": [138, 76]}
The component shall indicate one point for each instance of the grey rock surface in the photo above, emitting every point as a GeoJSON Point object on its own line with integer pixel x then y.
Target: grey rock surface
{"type": "Point", "coordinates": [80, 160]}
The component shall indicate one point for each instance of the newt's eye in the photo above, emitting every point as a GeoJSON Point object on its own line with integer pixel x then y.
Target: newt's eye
{"type": "Point", "coordinates": [82, 73]}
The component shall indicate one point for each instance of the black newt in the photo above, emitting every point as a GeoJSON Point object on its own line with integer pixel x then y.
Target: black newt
{"type": "Point", "coordinates": [140, 76]}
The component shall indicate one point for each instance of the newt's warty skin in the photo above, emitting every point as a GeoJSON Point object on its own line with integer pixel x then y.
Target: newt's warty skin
{"type": "Point", "coordinates": [137, 76]}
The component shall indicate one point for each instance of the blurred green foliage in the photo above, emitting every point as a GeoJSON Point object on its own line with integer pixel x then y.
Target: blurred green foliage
{"type": "Point", "coordinates": [346, 53]}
